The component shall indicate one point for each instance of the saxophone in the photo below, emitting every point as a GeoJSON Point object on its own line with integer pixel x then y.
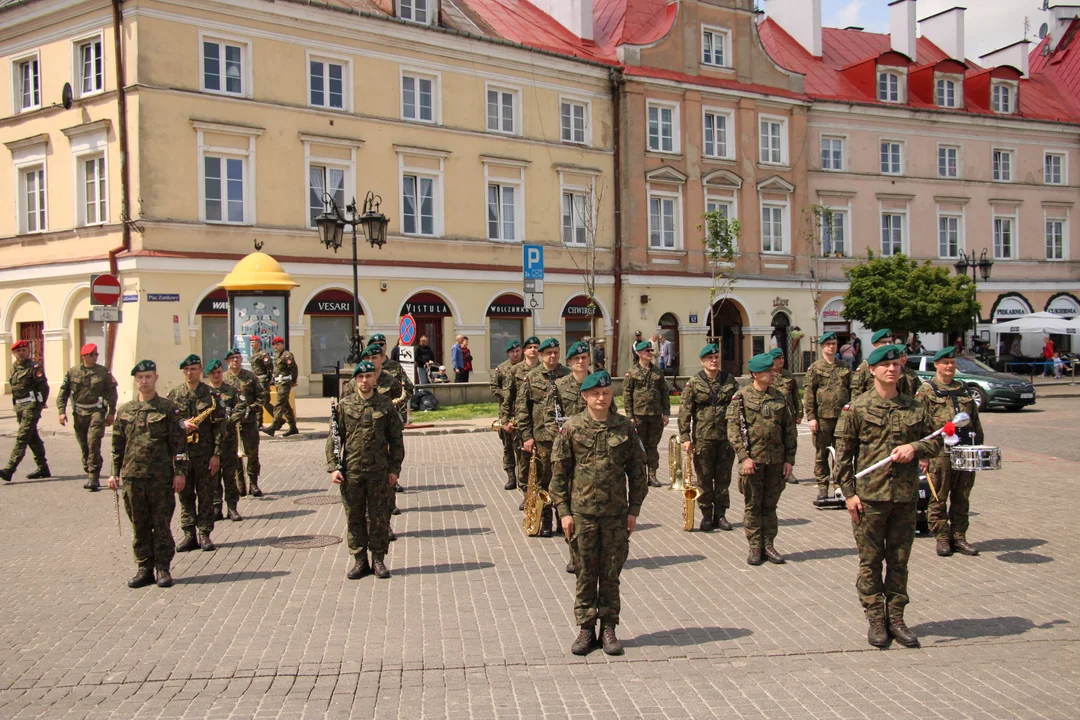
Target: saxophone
{"type": "Point", "coordinates": [691, 492]}
{"type": "Point", "coordinates": [198, 419]}
{"type": "Point", "coordinates": [675, 465]}
{"type": "Point", "coordinates": [536, 499]}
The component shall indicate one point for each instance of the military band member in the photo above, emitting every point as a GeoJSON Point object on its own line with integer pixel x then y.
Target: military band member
{"type": "Point", "coordinates": [647, 403]}
{"type": "Point", "coordinates": [861, 379]}
{"type": "Point", "coordinates": [501, 380]}
{"type": "Point", "coordinates": [703, 429]}
{"type": "Point", "coordinates": [909, 381]}
{"type": "Point", "coordinates": [224, 480]}
{"type": "Point", "coordinates": [878, 424]}
{"type": "Point", "coordinates": [194, 398]}
{"type": "Point", "coordinates": [394, 368]}
{"type": "Point", "coordinates": [943, 398]}
{"type": "Point", "coordinates": [508, 409]}
{"type": "Point", "coordinates": [372, 449]}
{"type": "Point", "coordinates": [263, 367]}
{"type": "Point", "coordinates": [92, 390]}
{"type": "Point", "coordinates": [285, 374]}
{"type": "Point", "coordinates": [149, 456]}
{"type": "Point", "coordinates": [533, 400]}
{"type": "Point", "coordinates": [786, 384]}
{"type": "Point", "coordinates": [254, 395]}
{"type": "Point", "coordinates": [762, 431]}
{"type": "Point", "coordinates": [29, 393]}
{"type": "Point", "coordinates": [826, 392]}
{"type": "Point", "coordinates": [599, 483]}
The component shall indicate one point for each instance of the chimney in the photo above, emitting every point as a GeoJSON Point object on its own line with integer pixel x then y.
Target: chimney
{"type": "Point", "coordinates": [946, 30]}
{"type": "Point", "coordinates": [1015, 55]}
{"type": "Point", "coordinates": [1061, 15]}
{"type": "Point", "coordinates": [801, 19]}
{"type": "Point", "coordinates": [902, 27]}
{"type": "Point", "coordinates": [574, 15]}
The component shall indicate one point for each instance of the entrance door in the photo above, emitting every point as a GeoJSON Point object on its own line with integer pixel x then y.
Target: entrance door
{"type": "Point", "coordinates": [726, 326]}
{"type": "Point", "coordinates": [34, 333]}
{"type": "Point", "coordinates": [669, 328]}
{"type": "Point", "coordinates": [780, 324]}
{"type": "Point", "coordinates": [431, 325]}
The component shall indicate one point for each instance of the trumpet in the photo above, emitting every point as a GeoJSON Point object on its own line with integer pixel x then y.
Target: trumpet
{"type": "Point", "coordinates": [691, 492]}
{"type": "Point", "coordinates": [496, 426]}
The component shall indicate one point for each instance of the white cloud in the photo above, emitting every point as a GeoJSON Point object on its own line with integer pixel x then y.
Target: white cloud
{"type": "Point", "coordinates": [991, 24]}
{"type": "Point", "coordinates": [847, 15]}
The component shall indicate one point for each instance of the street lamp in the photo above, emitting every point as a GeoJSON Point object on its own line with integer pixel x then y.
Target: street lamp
{"type": "Point", "coordinates": [982, 264]}
{"type": "Point", "coordinates": [331, 224]}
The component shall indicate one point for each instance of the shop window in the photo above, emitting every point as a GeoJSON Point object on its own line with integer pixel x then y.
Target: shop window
{"type": "Point", "coordinates": [500, 333]}
{"type": "Point", "coordinates": [215, 337]}
{"type": "Point", "coordinates": [577, 331]}
{"type": "Point", "coordinates": [331, 341]}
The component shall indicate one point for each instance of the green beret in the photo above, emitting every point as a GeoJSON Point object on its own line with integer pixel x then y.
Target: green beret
{"type": "Point", "coordinates": [549, 344]}
{"type": "Point", "coordinates": [190, 360]}
{"type": "Point", "coordinates": [945, 353]}
{"type": "Point", "coordinates": [578, 348]}
{"type": "Point", "coordinates": [596, 380]}
{"type": "Point", "coordinates": [364, 366]}
{"type": "Point", "coordinates": [643, 345]}
{"type": "Point", "coordinates": [531, 340]}
{"type": "Point", "coordinates": [776, 352]}
{"type": "Point", "coordinates": [883, 354]}
{"type": "Point", "coordinates": [826, 338]}
{"type": "Point", "coordinates": [512, 345]}
{"type": "Point", "coordinates": [377, 338]}
{"type": "Point", "coordinates": [144, 366]}
{"type": "Point", "coordinates": [882, 334]}
{"type": "Point", "coordinates": [760, 363]}
{"type": "Point", "coordinates": [901, 348]}
{"type": "Point", "coordinates": [233, 351]}
{"type": "Point", "coordinates": [710, 349]}
{"type": "Point", "coordinates": [370, 350]}
{"type": "Point", "coordinates": [211, 366]}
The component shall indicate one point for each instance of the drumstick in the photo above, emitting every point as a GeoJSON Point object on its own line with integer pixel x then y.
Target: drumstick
{"type": "Point", "coordinates": [951, 439]}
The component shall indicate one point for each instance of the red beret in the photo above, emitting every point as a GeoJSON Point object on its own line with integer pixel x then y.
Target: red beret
{"type": "Point", "coordinates": [88, 349]}
{"type": "Point", "coordinates": [19, 344]}
{"type": "Point", "coordinates": [256, 337]}
{"type": "Point", "coordinates": [277, 339]}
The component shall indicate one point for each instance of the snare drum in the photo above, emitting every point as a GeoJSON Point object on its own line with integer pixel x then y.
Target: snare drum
{"type": "Point", "coordinates": [973, 458]}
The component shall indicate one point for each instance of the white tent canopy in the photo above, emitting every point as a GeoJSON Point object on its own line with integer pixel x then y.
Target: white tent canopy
{"type": "Point", "coordinates": [1040, 323]}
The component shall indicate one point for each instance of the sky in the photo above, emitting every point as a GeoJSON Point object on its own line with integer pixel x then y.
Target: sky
{"type": "Point", "coordinates": [989, 24]}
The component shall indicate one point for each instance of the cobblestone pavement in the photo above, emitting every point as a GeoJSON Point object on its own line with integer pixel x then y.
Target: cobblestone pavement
{"type": "Point", "coordinates": [476, 621]}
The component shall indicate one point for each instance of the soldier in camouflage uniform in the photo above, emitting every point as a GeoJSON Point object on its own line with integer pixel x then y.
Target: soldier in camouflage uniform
{"type": "Point", "coordinates": [762, 431]}
{"type": "Point", "coordinates": [500, 382]}
{"type": "Point", "coordinates": [826, 392]}
{"type": "Point", "coordinates": [235, 408]}
{"type": "Point", "coordinates": [262, 365]}
{"type": "Point", "coordinates": [29, 393]}
{"type": "Point", "coordinates": [703, 429]}
{"type": "Point", "coordinates": [534, 403]}
{"type": "Point", "coordinates": [194, 397]}
{"type": "Point", "coordinates": [508, 408]}
{"type": "Point", "coordinates": [92, 390]}
{"type": "Point", "coordinates": [599, 483]}
{"type": "Point", "coordinates": [861, 380]}
{"type": "Point", "coordinates": [882, 423]}
{"type": "Point", "coordinates": [909, 381]}
{"type": "Point", "coordinates": [371, 449]}
{"type": "Point", "coordinates": [943, 398]}
{"type": "Point", "coordinates": [285, 374]}
{"type": "Point", "coordinates": [149, 456]}
{"type": "Point", "coordinates": [647, 403]}
{"type": "Point", "coordinates": [787, 385]}
{"type": "Point", "coordinates": [394, 368]}
{"type": "Point", "coordinates": [254, 395]}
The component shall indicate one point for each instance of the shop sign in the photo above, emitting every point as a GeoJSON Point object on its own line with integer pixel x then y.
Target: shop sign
{"type": "Point", "coordinates": [507, 306]}
{"type": "Point", "coordinates": [331, 302]}
{"type": "Point", "coordinates": [1063, 306]}
{"type": "Point", "coordinates": [163, 297]}
{"type": "Point", "coordinates": [779, 302]}
{"type": "Point", "coordinates": [216, 303]}
{"type": "Point", "coordinates": [1009, 308]}
{"type": "Point", "coordinates": [425, 304]}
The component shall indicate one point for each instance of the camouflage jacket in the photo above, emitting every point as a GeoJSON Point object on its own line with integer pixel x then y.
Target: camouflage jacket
{"type": "Point", "coordinates": [789, 388]}
{"type": "Point", "coordinates": [28, 380]}
{"type": "Point", "coordinates": [508, 404]}
{"type": "Point", "coordinates": [861, 380]}
{"type": "Point", "coordinates": [770, 426]}
{"type": "Point", "coordinates": [870, 428]}
{"type": "Point", "coordinates": [598, 468]}
{"type": "Point", "coordinates": [645, 392]}
{"type": "Point", "coordinates": [149, 441]}
{"type": "Point", "coordinates": [704, 404]}
{"type": "Point", "coordinates": [943, 402]}
{"type": "Point", "coordinates": [908, 383]}
{"type": "Point", "coordinates": [263, 367]}
{"type": "Point", "coordinates": [90, 390]}
{"type": "Point", "coordinates": [501, 377]}
{"type": "Point", "coordinates": [372, 432]}
{"type": "Point", "coordinates": [285, 370]}
{"type": "Point", "coordinates": [826, 389]}
{"type": "Point", "coordinates": [573, 402]}
{"type": "Point", "coordinates": [212, 429]}
{"type": "Point", "coordinates": [536, 401]}
{"type": "Point", "coordinates": [394, 368]}
{"type": "Point", "coordinates": [251, 392]}
{"type": "Point", "coordinates": [228, 398]}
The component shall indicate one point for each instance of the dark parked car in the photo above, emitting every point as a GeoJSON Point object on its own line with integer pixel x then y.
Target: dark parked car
{"type": "Point", "coordinates": [989, 388]}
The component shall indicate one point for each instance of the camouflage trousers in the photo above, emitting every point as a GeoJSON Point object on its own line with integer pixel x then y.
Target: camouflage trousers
{"type": "Point", "coordinates": [823, 439]}
{"type": "Point", "coordinates": [761, 494]}
{"type": "Point", "coordinates": [197, 497]}
{"type": "Point", "coordinates": [521, 462]}
{"type": "Point", "coordinates": [267, 407]}
{"type": "Point", "coordinates": [509, 452]}
{"type": "Point", "coordinates": [224, 481]}
{"type": "Point", "coordinates": [150, 504]}
{"type": "Point", "coordinates": [954, 499]}
{"type": "Point", "coordinates": [27, 435]}
{"type": "Point", "coordinates": [249, 440]}
{"type": "Point", "coordinates": [650, 429]}
{"type": "Point", "coordinates": [283, 412]}
{"type": "Point", "coordinates": [368, 500]}
{"type": "Point", "coordinates": [598, 551]}
{"type": "Point", "coordinates": [884, 534]}
{"type": "Point", "coordinates": [542, 450]}
{"type": "Point", "coordinates": [89, 429]}
{"type": "Point", "coordinates": [713, 460]}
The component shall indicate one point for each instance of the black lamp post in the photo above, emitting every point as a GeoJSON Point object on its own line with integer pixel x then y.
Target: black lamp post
{"type": "Point", "coordinates": [982, 264]}
{"type": "Point", "coordinates": [331, 224]}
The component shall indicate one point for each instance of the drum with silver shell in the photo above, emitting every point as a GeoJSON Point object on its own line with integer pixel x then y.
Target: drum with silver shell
{"type": "Point", "coordinates": [973, 458]}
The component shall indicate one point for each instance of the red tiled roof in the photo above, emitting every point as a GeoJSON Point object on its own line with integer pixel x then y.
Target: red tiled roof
{"type": "Point", "coordinates": [521, 22]}
{"type": "Point", "coordinates": [631, 22]}
{"type": "Point", "coordinates": [1062, 66]}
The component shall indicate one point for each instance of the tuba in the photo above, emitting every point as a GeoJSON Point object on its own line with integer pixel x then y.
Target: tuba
{"type": "Point", "coordinates": [691, 492]}
{"type": "Point", "coordinates": [536, 499]}
{"type": "Point", "coordinates": [198, 419]}
{"type": "Point", "coordinates": [675, 465]}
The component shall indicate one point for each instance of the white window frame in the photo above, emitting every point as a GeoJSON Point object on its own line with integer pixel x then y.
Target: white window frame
{"type": "Point", "coordinates": [725, 37]}
{"type": "Point", "coordinates": [958, 91]}
{"type": "Point", "coordinates": [1064, 220]}
{"type": "Point", "coordinates": [842, 139]}
{"type": "Point", "coordinates": [677, 213]}
{"type": "Point", "coordinates": [586, 106]}
{"type": "Point", "coordinates": [430, 9]}
{"type": "Point", "coordinates": [246, 63]}
{"type": "Point", "coordinates": [1012, 215]}
{"type": "Point", "coordinates": [16, 83]}
{"type": "Point", "coordinates": [1013, 89]}
{"type": "Point", "coordinates": [501, 186]}
{"type": "Point", "coordinates": [783, 122]}
{"type": "Point", "coordinates": [904, 232]}
{"type": "Point", "coordinates": [346, 80]}
{"type": "Point", "coordinates": [248, 156]}
{"type": "Point", "coordinates": [676, 138]}
{"type": "Point", "coordinates": [348, 166]}
{"type": "Point", "coordinates": [85, 146]}
{"type": "Point", "coordinates": [436, 94]}
{"type": "Point", "coordinates": [732, 201]}
{"type": "Point", "coordinates": [577, 223]}
{"type": "Point", "coordinates": [437, 190]}
{"type": "Point", "coordinates": [901, 86]}
{"type": "Point", "coordinates": [995, 172]}
{"type": "Point", "coordinates": [1063, 156]}
{"type": "Point", "coordinates": [845, 212]}
{"type": "Point", "coordinates": [518, 186]}
{"type": "Point", "coordinates": [785, 226]}
{"type": "Point", "coordinates": [960, 239]}
{"type": "Point", "coordinates": [77, 64]}
{"type": "Point", "coordinates": [946, 147]}
{"type": "Point", "coordinates": [891, 142]}
{"type": "Point", "coordinates": [20, 197]}
{"type": "Point", "coordinates": [730, 138]}
{"type": "Point", "coordinates": [515, 108]}
{"type": "Point", "coordinates": [588, 193]}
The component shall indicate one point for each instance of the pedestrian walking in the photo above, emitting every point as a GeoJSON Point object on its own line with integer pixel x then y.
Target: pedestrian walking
{"type": "Point", "coordinates": [285, 375]}
{"type": "Point", "coordinates": [234, 408]}
{"type": "Point", "coordinates": [30, 395]}
{"type": "Point", "coordinates": [263, 367]}
{"type": "Point", "coordinates": [92, 391]}
{"type": "Point", "coordinates": [253, 394]}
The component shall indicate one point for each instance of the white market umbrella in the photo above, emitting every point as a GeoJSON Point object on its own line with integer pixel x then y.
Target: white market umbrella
{"type": "Point", "coordinates": [1040, 323]}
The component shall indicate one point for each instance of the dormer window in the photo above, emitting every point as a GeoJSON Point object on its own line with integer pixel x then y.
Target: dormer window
{"type": "Point", "coordinates": [890, 87]}
{"type": "Point", "coordinates": [1003, 98]}
{"type": "Point", "coordinates": [714, 47]}
{"type": "Point", "coordinates": [946, 93]}
{"type": "Point", "coordinates": [416, 11]}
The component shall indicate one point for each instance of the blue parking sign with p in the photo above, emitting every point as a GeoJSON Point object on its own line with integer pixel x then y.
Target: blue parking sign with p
{"type": "Point", "coordinates": [532, 262]}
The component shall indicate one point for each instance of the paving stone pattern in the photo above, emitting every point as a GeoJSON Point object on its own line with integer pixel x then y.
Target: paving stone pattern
{"type": "Point", "coordinates": [476, 621]}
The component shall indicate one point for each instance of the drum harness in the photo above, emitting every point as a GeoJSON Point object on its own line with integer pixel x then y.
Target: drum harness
{"type": "Point", "coordinates": [952, 395]}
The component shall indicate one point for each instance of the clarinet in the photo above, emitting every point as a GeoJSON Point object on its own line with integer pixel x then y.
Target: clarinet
{"type": "Point", "coordinates": [335, 434]}
{"type": "Point", "coordinates": [560, 416]}
{"type": "Point", "coordinates": [742, 424]}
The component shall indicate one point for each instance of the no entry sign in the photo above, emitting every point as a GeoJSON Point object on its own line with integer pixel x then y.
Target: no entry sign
{"type": "Point", "coordinates": [104, 290]}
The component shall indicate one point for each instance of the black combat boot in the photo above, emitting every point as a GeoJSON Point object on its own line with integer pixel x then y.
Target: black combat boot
{"type": "Point", "coordinates": [511, 480]}
{"type": "Point", "coordinates": [219, 513]}
{"type": "Point", "coordinates": [521, 507]}
{"type": "Point", "coordinates": [94, 485]}
{"type": "Point", "coordinates": [653, 482]}
{"type": "Point", "coordinates": [755, 557]}
{"type": "Point", "coordinates": [164, 578]}
{"type": "Point", "coordinates": [233, 514]}
{"type": "Point", "coordinates": [243, 485]}
{"type": "Point", "coordinates": [721, 522]}
{"type": "Point", "coordinates": [570, 568]}
{"type": "Point", "coordinates": [206, 543]}
{"type": "Point", "coordinates": [41, 472]}
{"type": "Point", "coordinates": [901, 633]}
{"type": "Point", "coordinates": [188, 544]}
{"type": "Point", "coordinates": [962, 546]}
{"type": "Point", "coordinates": [395, 511]}
{"type": "Point", "coordinates": [5, 473]}
{"type": "Point", "coordinates": [379, 567]}
{"type": "Point", "coordinates": [822, 494]}
{"type": "Point", "coordinates": [360, 567]}
{"type": "Point", "coordinates": [142, 578]}
{"type": "Point", "coordinates": [706, 524]}
{"type": "Point", "coordinates": [586, 640]}
{"type": "Point", "coordinates": [392, 535]}
{"type": "Point", "coordinates": [88, 485]}
{"type": "Point", "coordinates": [876, 635]}
{"type": "Point", "coordinates": [545, 523]}
{"type": "Point", "coordinates": [772, 556]}
{"type": "Point", "coordinates": [944, 547]}
{"type": "Point", "coordinates": [398, 487]}
{"type": "Point", "coordinates": [255, 491]}
{"type": "Point", "coordinates": [612, 646]}
{"type": "Point", "coordinates": [292, 431]}
{"type": "Point", "coordinates": [270, 429]}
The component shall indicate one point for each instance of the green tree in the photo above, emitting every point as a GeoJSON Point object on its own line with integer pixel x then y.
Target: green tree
{"type": "Point", "coordinates": [721, 247]}
{"type": "Point", "coordinates": [907, 296]}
